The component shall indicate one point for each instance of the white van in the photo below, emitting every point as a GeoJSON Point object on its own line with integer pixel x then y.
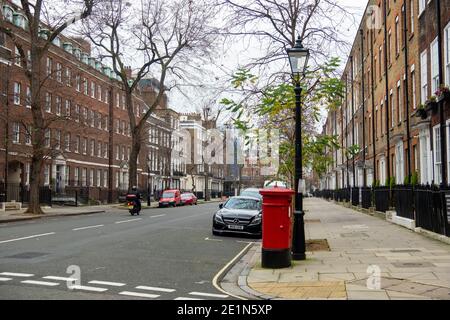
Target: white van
{"type": "Point", "coordinates": [270, 184]}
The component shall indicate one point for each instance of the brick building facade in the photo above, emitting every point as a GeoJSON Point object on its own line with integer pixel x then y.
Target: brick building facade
{"type": "Point", "coordinates": [392, 70]}
{"type": "Point", "coordinates": [88, 137]}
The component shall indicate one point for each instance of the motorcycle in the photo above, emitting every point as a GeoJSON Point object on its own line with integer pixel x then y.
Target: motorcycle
{"type": "Point", "coordinates": [132, 205]}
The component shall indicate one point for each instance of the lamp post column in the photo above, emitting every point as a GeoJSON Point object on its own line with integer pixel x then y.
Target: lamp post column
{"type": "Point", "coordinates": [298, 238]}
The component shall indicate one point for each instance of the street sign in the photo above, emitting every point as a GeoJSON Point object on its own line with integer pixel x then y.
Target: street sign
{"type": "Point", "coordinates": [301, 186]}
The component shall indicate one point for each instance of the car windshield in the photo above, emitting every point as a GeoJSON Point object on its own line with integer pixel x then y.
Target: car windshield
{"type": "Point", "coordinates": [243, 204]}
{"type": "Point", "coordinates": [168, 195]}
{"type": "Point", "coordinates": [185, 196]}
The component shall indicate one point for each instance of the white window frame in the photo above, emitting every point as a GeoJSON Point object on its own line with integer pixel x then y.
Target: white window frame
{"type": "Point", "coordinates": [17, 93]}
{"type": "Point", "coordinates": [437, 155]}
{"type": "Point", "coordinates": [28, 98]}
{"type": "Point", "coordinates": [434, 63]}
{"type": "Point", "coordinates": [413, 84]}
{"type": "Point", "coordinates": [422, 6]}
{"type": "Point", "coordinates": [423, 76]}
{"type": "Point", "coordinates": [16, 133]}
{"type": "Point", "coordinates": [447, 54]}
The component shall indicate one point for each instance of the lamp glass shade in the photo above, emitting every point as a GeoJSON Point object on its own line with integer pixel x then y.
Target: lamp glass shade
{"type": "Point", "coordinates": [298, 58]}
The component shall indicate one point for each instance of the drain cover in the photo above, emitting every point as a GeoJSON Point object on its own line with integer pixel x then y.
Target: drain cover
{"type": "Point", "coordinates": [355, 235]}
{"type": "Point", "coordinates": [312, 220]}
{"type": "Point", "coordinates": [405, 250]}
{"type": "Point", "coordinates": [412, 264]}
{"type": "Point", "coordinates": [28, 255]}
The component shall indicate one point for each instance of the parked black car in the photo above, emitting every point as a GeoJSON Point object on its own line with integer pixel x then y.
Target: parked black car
{"type": "Point", "coordinates": [241, 214]}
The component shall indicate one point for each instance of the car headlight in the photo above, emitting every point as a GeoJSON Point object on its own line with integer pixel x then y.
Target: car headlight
{"type": "Point", "coordinates": [218, 218]}
{"type": "Point", "coordinates": [257, 219]}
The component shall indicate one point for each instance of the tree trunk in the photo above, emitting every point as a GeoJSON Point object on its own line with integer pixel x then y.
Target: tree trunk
{"type": "Point", "coordinates": [34, 206]}
{"type": "Point", "coordinates": [134, 154]}
{"type": "Point", "coordinates": [38, 135]}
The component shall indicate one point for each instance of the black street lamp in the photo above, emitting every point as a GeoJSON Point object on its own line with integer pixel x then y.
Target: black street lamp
{"type": "Point", "coordinates": [298, 58]}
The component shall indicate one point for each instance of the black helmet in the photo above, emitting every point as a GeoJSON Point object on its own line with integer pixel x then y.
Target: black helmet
{"type": "Point", "coordinates": [134, 188]}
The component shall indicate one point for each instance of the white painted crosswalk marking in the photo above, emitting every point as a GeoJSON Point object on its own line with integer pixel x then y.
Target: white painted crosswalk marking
{"type": "Point", "coordinates": [5, 279]}
{"type": "Point", "coordinates": [139, 294]}
{"type": "Point", "coordinates": [107, 283]}
{"type": "Point", "coordinates": [160, 215]}
{"type": "Point", "coordinates": [12, 274]}
{"type": "Point", "coordinates": [87, 288]}
{"type": "Point", "coordinates": [41, 283]}
{"type": "Point", "coordinates": [185, 298]}
{"type": "Point", "coordinates": [155, 289]}
{"type": "Point", "coordinates": [59, 278]}
{"type": "Point", "coordinates": [210, 295]}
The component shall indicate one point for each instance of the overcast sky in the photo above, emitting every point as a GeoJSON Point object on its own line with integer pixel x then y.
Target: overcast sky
{"type": "Point", "coordinates": [217, 74]}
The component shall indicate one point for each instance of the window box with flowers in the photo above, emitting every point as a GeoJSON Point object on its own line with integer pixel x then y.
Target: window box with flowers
{"type": "Point", "coordinates": [421, 112]}
{"type": "Point", "coordinates": [431, 104]}
{"type": "Point", "coordinates": [443, 93]}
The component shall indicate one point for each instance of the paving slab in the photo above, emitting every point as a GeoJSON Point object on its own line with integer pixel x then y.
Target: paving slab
{"type": "Point", "coordinates": [411, 266]}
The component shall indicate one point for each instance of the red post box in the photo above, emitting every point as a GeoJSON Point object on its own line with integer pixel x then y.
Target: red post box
{"type": "Point", "coordinates": [276, 227]}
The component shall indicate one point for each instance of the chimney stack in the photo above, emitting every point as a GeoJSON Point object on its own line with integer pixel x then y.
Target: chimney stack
{"type": "Point", "coordinates": [128, 72]}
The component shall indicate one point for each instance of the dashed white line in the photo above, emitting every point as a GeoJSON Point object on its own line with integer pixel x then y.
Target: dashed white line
{"type": "Point", "coordinates": [211, 295]}
{"type": "Point", "coordinates": [160, 215]}
{"type": "Point", "coordinates": [5, 279]}
{"type": "Point", "coordinates": [138, 294]}
{"type": "Point", "coordinates": [185, 298]}
{"type": "Point", "coordinates": [125, 221]}
{"type": "Point", "coordinates": [41, 283]}
{"type": "Point", "coordinates": [90, 227]}
{"type": "Point", "coordinates": [59, 278]}
{"type": "Point", "coordinates": [87, 288]}
{"type": "Point", "coordinates": [217, 240]}
{"type": "Point", "coordinates": [12, 274]}
{"type": "Point", "coordinates": [30, 237]}
{"type": "Point", "coordinates": [107, 283]}
{"type": "Point", "coordinates": [155, 289]}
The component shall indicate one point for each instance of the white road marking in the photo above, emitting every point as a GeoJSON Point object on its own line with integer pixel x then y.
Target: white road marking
{"type": "Point", "coordinates": [160, 215]}
{"type": "Point", "coordinates": [30, 237]}
{"type": "Point", "coordinates": [125, 221]}
{"type": "Point", "coordinates": [107, 283]}
{"type": "Point", "coordinates": [5, 279]}
{"type": "Point", "coordinates": [59, 278]}
{"type": "Point", "coordinates": [184, 298]}
{"type": "Point", "coordinates": [155, 289]}
{"type": "Point", "coordinates": [87, 288]}
{"type": "Point", "coordinates": [138, 294]}
{"type": "Point", "coordinates": [42, 283]}
{"type": "Point", "coordinates": [232, 261]}
{"type": "Point", "coordinates": [211, 295]}
{"type": "Point", "coordinates": [12, 274]}
{"type": "Point", "coordinates": [90, 227]}
{"type": "Point", "coordinates": [217, 240]}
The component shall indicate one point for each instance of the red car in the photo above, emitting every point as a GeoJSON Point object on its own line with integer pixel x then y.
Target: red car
{"type": "Point", "coordinates": [188, 198]}
{"type": "Point", "coordinates": [170, 198]}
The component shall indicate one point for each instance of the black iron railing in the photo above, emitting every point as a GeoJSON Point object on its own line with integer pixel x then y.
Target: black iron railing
{"type": "Point", "coordinates": [404, 201]}
{"type": "Point", "coordinates": [432, 209]}
{"type": "Point", "coordinates": [355, 196]}
{"type": "Point", "coordinates": [382, 198]}
{"type": "Point", "coordinates": [366, 197]}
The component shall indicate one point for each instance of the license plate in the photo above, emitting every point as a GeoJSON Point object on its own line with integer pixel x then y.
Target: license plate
{"type": "Point", "coordinates": [233, 227]}
{"type": "Point", "coordinates": [130, 207]}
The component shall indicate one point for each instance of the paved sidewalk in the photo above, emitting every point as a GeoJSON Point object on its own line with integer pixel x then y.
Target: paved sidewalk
{"type": "Point", "coordinates": [410, 265]}
{"type": "Point", "coordinates": [56, 211]}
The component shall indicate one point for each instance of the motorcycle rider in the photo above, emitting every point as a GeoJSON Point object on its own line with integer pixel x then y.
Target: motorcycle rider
{"type": "Point", "coordinates": [135, 191]}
